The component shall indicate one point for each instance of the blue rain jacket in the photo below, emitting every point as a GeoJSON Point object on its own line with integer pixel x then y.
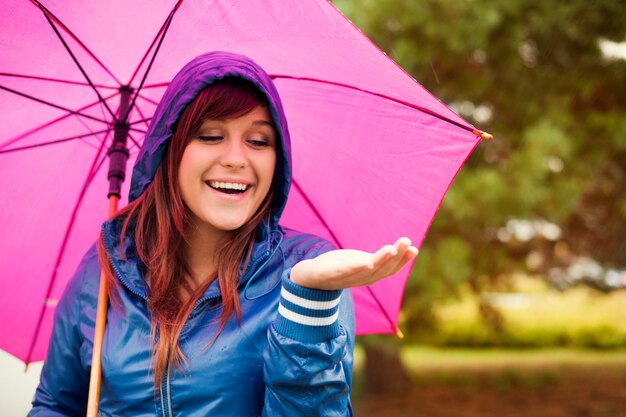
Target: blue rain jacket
{"type": "Point", "coordinates": [291, 354]}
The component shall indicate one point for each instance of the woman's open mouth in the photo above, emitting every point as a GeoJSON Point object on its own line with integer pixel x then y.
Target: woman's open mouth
{"type": "Point", "coordinates": [228, 187]}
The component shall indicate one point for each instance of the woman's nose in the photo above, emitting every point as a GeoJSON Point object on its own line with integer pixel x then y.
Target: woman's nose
{"type": "Point", "coordinates": [234, 154]}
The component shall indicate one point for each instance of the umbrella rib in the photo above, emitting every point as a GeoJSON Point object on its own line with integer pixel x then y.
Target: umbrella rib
{"type": "Point", "coordinates": [338, 244]}
{"type": "Point", "coordinates": [54, 142]}
{"type": "Point", "coordinates": [55, 80]}
{"type": "Point", "coordinates": [143, 120]}
{"type": "Point", "coordinates": [56, 106]}
{"type": "Point", "coordinates": [87, 127]}
{"type": "Point", "coordinates": [157, 85]}
{"type": "Point", "coordinates": [67, 48]}
{"type": "Point", "coordinates": [380, 305]}
{"type": "Point", "coordinates": [395, 100]}
{"type": "Point", "coordinates": [316, 212]}
{"type": "Point", "coordinates": [134, 141]}
{"type": "Point", "coordinates": [47, 124]}
{"type": "Point", "coordinates": [167, 23]}
{"type": "Point", "coordinates": [399, 67]}
{"type": "Point", "coordinates": [69, 32]}
{"type": "Point", "coordinates": [95, 166]}
{"type": "Point", "coordinates": [163, 27]}
{"type": "Point", "coordinates": [149, 100]}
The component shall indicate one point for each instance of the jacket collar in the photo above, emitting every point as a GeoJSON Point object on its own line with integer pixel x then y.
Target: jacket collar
{"type": "Point", "coordinates": [129, 270]}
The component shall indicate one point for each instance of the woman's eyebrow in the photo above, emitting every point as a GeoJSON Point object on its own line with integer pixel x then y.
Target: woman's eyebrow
{"type": "Point", "coordinates": [263, 123]}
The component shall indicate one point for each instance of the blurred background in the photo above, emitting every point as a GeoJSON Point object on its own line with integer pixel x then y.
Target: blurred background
{"type": "Point", "coordinates": [516, 303]}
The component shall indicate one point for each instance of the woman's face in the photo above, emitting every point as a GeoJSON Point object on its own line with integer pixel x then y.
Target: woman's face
{"type": "Point", "coordinates": [227, 169]}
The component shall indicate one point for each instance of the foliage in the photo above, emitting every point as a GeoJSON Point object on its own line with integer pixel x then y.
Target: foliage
{"type": "Point", "coordinates": [534, 75]}
{"type": "Point", "coordinates": [535, 317]}
{"type": "Point", "coordinates": [421, 359]}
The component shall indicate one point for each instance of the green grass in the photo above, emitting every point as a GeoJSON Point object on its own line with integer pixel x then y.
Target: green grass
{"type": "Point", "coordinates": [548, 338]}
{"type": "Point", "coordinates": [534, 317]}
{"type": "Point", "coordinates": [426, 358]}
{"type": "Point", "coordinates": [421, 358]}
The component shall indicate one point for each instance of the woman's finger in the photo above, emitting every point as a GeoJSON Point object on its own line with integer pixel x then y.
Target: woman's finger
{"type": "Point", "coordinates": [405, 254]}
{"type": "Point", "coordinates": [365, 273]}
{"type": "Point", "coordinates": [409, 254]}
{"type": "Point", "coordinates": [402, 243]}
{"type": "Point", "coordinates": [383, 255]}
{"type": "Point", "coordinates": [388, 252]}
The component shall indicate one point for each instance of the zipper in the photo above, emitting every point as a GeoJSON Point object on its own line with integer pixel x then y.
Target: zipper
{"type": "Point", "coordinates": [169, 399]}
{"type": "Point", "coordinates": [261, 259]}
{"type": "Point", "coordinates": [162, 403]}
{"type": "Point", "coordinates": [250, 270]}
{"type": "Point", "coordinates": [126, 284]}
{"type": "Point", "coordinates": [166, 401]}
{"type": "Point", "coordinates": [119, 274]}
{"type": "Point", "coordinates": [264, 258]}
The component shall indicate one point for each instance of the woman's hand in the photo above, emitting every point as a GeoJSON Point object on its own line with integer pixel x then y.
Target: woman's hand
{"type": "Point", "coordinates": [345, 268]}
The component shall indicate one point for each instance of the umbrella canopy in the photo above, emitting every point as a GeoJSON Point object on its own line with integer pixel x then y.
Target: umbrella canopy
{"type": "Point", "coordinates": [373, 151]}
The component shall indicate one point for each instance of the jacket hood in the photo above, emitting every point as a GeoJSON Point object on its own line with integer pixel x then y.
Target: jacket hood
{"type": "Point", "coordinates": [185, 86]}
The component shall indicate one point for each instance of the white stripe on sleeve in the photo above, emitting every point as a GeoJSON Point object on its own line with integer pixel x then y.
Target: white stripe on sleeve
{"type": "Point", "coordinates": [307, 320]}
{"type": "Point", "coordinates": [306, 303]}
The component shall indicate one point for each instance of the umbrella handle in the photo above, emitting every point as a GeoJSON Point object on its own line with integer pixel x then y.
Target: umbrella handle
{"type": "Point", "coordinates": [101, 317]}
{"type": "Point", "coordinates": [96, 362]}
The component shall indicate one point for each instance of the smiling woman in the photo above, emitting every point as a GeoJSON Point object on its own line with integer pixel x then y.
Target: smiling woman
{"type": "Point", "coordinates": [226, 170]}
{"type": "Point", "coordinates": [217, 310]}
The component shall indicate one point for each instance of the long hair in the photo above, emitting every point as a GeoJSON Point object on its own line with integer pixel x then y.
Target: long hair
{"type": "Point", "coordinates": [159, 221]}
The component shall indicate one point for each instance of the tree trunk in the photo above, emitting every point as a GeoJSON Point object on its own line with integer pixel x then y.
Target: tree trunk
{"type": "Point", "coordinates": [384, 371]}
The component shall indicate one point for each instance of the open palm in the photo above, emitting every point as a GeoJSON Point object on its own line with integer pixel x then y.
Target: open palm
{"type": "Point", "coordinates": [345, 268]}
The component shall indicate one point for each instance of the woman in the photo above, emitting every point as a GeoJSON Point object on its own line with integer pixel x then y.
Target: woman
{"type": "Point", "coordinates": [216, 310]}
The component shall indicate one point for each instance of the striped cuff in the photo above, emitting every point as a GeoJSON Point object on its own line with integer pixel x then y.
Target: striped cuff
{"type": "Point", "coordinates": [306, 314]}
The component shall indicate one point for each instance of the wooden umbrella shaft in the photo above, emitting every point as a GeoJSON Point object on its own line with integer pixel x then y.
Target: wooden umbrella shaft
{"type": "Point", "coordinates": [118, 156]}
{"type": "Point", "coordinates": [101, 317]}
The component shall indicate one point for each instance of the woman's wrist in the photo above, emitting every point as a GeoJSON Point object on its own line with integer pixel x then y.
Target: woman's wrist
{"type": "Point", "coordinates": [301, 276]}
{"type": "Point", "coordinates": [297, 277]}
{"type": "Point", "coordinates": [307, 314]}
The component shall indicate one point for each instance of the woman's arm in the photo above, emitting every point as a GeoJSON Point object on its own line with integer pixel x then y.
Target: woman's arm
{"type": "Point", "coordinates": [308, 361]}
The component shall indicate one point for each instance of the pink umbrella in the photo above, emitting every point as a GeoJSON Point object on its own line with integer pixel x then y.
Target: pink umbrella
{"type": "Point", "coordinates": [374, 153]}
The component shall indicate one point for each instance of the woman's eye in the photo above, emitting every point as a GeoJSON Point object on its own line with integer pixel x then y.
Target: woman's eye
{"type": "Point", "coordinates": [209, 138]}
{"type": "Point", "coordinates": [261, 143]}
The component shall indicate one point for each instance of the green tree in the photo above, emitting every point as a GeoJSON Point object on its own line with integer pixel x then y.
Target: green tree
{"type": "Point", "coordinates": [534, 75]}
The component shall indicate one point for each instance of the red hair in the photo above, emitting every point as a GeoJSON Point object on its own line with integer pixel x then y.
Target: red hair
{"type": "Point", "coordinates": [159, 220]}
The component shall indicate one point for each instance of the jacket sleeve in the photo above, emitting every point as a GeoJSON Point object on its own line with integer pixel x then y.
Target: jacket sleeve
{"type": "Point", "coordinates": [308, 360]}
{"type": "Point", "coordinates": [64, 381]}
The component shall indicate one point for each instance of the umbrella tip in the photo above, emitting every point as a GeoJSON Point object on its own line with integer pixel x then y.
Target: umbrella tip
{"type": "Point", "coordinates": [482, 135]}
{"type": "Point", "coordinates": [398, 332]}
